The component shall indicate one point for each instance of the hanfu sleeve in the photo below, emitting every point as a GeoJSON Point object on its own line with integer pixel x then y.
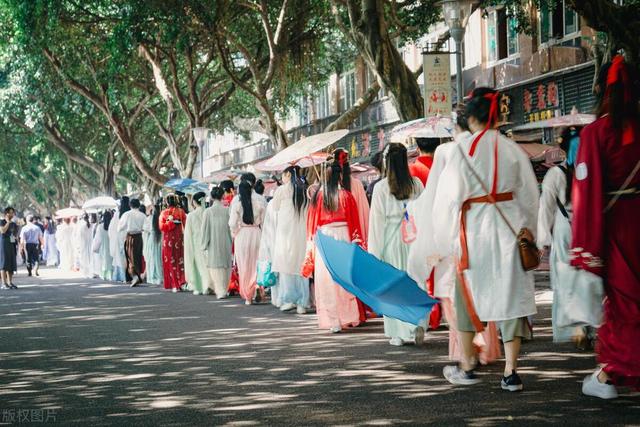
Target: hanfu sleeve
{"type": "Point", "coordinates": [362, 206]}
{"type": "Point", "coordinates": [312, 217]}
{"type": "Point", "coordinates": [164, 223]}
{"type": "Point", "coordinates": [376, 222]}
{"type": "Point", "coordinates": [352, 217]}
{"type": "Point", "coordinates": [551, 189]}
{"type": "Point", "coordinates": [588, 204]}
{"type": "Point", "coordinates": [234, 217]}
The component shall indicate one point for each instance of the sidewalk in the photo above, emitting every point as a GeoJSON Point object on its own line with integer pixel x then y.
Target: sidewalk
{"type": "Point", "coordinates": [99, 353]}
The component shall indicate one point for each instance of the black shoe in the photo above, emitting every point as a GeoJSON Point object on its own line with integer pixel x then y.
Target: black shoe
{"type": "Point", "coordinates": [512, 382]}
{"type": "Point", "coordinates": [12, 286]}
{"type": "Point", "coordinates": [29, 272]}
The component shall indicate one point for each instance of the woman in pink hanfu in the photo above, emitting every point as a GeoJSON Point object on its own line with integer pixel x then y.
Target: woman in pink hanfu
{"type": "Point", "coordinates": [246, 215]}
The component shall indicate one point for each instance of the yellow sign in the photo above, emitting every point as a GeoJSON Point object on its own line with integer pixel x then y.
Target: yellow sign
{"type": "Point", "coordinates": [437, 84]}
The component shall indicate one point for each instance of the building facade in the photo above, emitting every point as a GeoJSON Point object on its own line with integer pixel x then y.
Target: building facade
{"type": "Point", "coordinates": [540, 76]}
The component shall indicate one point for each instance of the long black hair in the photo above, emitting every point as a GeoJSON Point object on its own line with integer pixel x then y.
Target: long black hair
{"type": "Point", "coordinates": [244, 190]}
{"type": "Point", "coordinates": [299, 188]}
{"type": "Point", "coordinates": [341, 158]}
{"type": "Point", "coordinates": [124, 205]}
{"type": "Point", "coordinates": [51, 225]}
{"type": "Point", "coordinates": [330, 188]}
{"type": "Point", "coordinates": [86, 220]}
{"type": "Point", "coordinates": [106, 219]}
{"type": "Point", "coordinates": [157, 209]}
{"type": "Point", "coordinates": [396, 165]}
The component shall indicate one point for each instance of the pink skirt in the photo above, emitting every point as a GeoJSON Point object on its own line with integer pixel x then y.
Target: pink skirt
{"type": "Point", "coordinates": [335, 306]}
{"type": "Point", "coordinates": [246, 247]}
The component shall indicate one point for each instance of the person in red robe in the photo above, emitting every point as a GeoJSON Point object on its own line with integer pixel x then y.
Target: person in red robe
{"type": "Point", "coordinates": [334, 212]}
{"type": "Point", "coordinates": [172, 221]}
{"type": "Point", "coordinates": [606, 203]}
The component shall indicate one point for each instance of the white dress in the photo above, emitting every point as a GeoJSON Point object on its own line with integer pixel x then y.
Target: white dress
{"type": "Point", "coordinates": [577, 294]}
{"type": "Point", "coordinates": [84, 253]}
{"type": "Point", "coordinates": [499, 286]}
{"type": "Point", "coordinates": [385, 242]}
{"type": "Point", "coordinates": [289, 248]}
{"type": "Point", "coordinates": [64, 239]}
{"type": "Point", "coordinates": [50, 253]}
{"type": "Point", "coordinates": [195, 262]}
{"type": "Point", "coordinates": [116, 249]}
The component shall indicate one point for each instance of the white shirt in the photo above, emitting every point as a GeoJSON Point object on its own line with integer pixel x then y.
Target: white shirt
{"type": "Point", "coordinates": [132, 222]}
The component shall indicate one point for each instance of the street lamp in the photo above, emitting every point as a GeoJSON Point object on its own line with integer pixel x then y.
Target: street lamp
{"type": "Point", "coordinates": [201, 134]}
{"type": "Point", "coordinates": [456, 14]}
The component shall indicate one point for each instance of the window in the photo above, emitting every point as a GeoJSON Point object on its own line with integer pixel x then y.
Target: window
{"type": "Point", "coordinates": [372, 78]}
{"type": "Point", "coordinates": [322, 103]}
{"type": "Point", "coordinates": [557, 22]}
{"type": "Point", "coordinates": [347, 90]}
{"type": "Point", "coordinates": [502, 35]}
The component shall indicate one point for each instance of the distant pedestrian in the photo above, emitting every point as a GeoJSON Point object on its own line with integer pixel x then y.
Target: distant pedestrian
{"type": "Point", "coordinates": [9, 231]}
{"type": "Point", "coordinates": [195, 264]}
{"type": "Point", "coordinates": [131, 224]}
{"type": "Point", "coordinates": [153, 245]}
{"type": "Point", "coordinates": [31, 240]}
{"type": "Point", "coordinates": [50, 252]}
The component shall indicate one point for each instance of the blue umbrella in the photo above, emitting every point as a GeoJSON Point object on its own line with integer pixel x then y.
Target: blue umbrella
{"type": "Point", "coordinates": [187, 185]}
{"type": "Point", "coordinates": [382, 287]}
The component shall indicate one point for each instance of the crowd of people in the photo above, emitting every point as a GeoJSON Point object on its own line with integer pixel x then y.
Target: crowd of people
{"type": "Point", "coordinates": [455, 220]}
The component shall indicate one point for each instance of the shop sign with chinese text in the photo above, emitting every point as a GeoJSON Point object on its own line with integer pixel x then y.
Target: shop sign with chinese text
{"type": "Point", "coordinates": [437, 84]}
{"type": "Point", "coordinates": [541, 102]}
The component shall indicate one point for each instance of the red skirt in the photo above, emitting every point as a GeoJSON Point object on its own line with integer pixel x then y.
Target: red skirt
{"type": "Point", "coordinates": [619, 336]}
{"type": "Point", "coordinates": [173, 258]}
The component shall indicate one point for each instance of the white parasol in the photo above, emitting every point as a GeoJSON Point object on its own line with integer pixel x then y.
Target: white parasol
{"type": "Point", "coordinates": [68, 213]}
{"type": "Point", "coordinates": [574, 119]}
{"type": "Point", "coordinates": [100, 203]}
{"type": "Point", "coordinates": [430, 127]}
{"type": "Point", "coordinates": [305, 162]}
{"type": "Point", "coordinates": [304, 148]}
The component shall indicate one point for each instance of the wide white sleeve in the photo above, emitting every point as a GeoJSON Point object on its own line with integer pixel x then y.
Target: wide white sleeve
{"type": "Point", "coordinates": [234, 216]}
{"type": "Point", "coordinates": [377, 216]}
{"type": "Point", "coordinates": [124, 221]}
{"type": "Point", "coordinates": [551, 188]}
{"type": "Point", "coordinates": [206, 230]}
{"type": "Point", "coordinates": [450, 193]}
{"type": "Point", "coordinates": [527, 193]}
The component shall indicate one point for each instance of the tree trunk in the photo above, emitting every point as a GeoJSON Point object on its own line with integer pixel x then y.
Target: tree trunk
{"type": "Point", "coordinates": [352, 113]}
{"type": "Point", "coordinates": [370, 33]}
{"type": "Point", "coordinates": [271, 126]}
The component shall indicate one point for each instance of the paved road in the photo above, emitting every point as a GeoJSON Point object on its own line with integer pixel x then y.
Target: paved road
{"type": "Point", "coordinates": [98, 353]}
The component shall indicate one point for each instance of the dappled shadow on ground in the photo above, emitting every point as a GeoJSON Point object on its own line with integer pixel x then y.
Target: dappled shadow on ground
{"type": "Point", "coordinates": [103, 353]}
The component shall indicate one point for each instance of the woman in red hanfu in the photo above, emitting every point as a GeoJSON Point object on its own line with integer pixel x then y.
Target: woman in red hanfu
{"type": "Point", "coordinates": [606, 203]}
{"type": "Point", "coordinates": [172, 221]}
{"type": "Point", "coordinates": [333, 212]}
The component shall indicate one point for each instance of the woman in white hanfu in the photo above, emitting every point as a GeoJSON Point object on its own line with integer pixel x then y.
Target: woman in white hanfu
{"type": "Point", "coordinates": [577, 294]}
{"type": "Point", "coordinates": [386, 238]}
{"type": "Point", "coordinates": [64, 240]}
{"type": "Point", "coordinates": [84, 240]}
{"type": "Point", "coordinates": [265, 254]}
{"type": "Point", "coordinates": [246, 215]}
{"type": "Point", "coordinates": [424, 258]}
{"type": "Point", "coordinates": [487, 174]}
{"type": "Point", "coordinates": [50, 253]}
{"type": "Point", "coordinates": [291, 205]}
{"type": "Point", "coordinates": [195, 263]}
{"type": "Point", "coordinates": [116, 249]}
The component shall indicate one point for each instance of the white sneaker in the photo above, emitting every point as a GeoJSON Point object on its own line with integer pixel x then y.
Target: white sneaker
{"type": "Point", "coordinates": [591, 386]}
{"type": "Point", "coordinates": [247, 302]}
{"type": "Point", "coordinates": [196, 293]}
{"type": "Point", "coordinates": [288, 306]}
{"type": "Point", "coordinates": [398, 342]}
{"type": "Point", "coordinates": [301, 310]}
{"type": "Point", "coordinates": [174, 290]}
{"type": "Point", "coordinates": [221, 296]}
{"type": "Point", "coordinates": [419, 339]}
{"type": "Point", "coordinates": [135, 281]}
{"type": "Point", "coordinates": [457, 376]}
{"type": "Point", "coordinates": [335, 329]}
